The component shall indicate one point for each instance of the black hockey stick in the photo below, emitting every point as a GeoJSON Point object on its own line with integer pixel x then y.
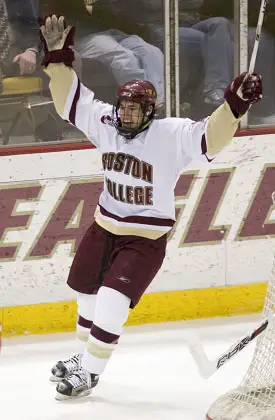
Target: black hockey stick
{"type": "Point", "coordinates": [208, 367]}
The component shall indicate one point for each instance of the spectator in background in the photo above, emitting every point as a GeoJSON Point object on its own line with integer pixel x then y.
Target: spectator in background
{"type": "Point", "coordinates": [20, 55]}
{"type": "Point", "coordinates": [205, 45]}
{"type": "Point", "coordinates": [207, 53]}
{"type": "Point", "coordinates": [128, 56]}
{"type": "Point", "coordinates": [213, 36]}
{"type": "Point", "coordinates": [202, 42]}
{"type": "Point", "coordinates": [105, 35]}
{"type": "Point", "coordinates": [221, 54]}
{"type": "Point", "coordinates": [19, 36]}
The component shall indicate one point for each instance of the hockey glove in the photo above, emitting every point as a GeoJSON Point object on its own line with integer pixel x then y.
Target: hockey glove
{"type": "Point", "coordinates": [243, 92]}
{"type": "Point", "coordinates": [57, 41]}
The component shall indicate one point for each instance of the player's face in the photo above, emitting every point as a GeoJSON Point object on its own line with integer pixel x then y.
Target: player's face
{"type": "Point", "coordinates": [130, 114]}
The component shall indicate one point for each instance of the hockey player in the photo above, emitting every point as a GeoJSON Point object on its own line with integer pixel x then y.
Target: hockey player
{"type": "Point", "coordinates": [142, 158]}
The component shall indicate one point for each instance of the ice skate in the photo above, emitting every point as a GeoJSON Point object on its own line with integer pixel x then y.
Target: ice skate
{"type": "Point", "coordinates": [78, 384]}
{"type": "Point", "coordinates": [64, 368]}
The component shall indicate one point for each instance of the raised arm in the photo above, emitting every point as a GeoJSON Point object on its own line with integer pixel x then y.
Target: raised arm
{"type": "Point", "coordinates": [205, 139]}
{"type": "Point", "coordinates": [73, 101]}
{"type": "Point", "coordinates": [243, 92]}
{"type": "Point", "coordinates": [62, 83]}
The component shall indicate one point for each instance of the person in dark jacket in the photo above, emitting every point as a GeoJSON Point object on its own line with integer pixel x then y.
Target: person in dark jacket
{"type": "Point", "coordinates": [105, 34]}
{"type": "Point", "coordinates": [24, 44]}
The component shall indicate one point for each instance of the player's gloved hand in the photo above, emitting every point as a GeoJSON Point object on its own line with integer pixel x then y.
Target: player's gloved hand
{"type": "Point", "coordinates": [57, 41]}
{"type": "Point", "coordinates": [243, 92]}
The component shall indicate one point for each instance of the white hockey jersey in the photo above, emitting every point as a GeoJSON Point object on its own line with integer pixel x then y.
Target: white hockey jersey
{"type": "Point", "coordinates": [140, 175]}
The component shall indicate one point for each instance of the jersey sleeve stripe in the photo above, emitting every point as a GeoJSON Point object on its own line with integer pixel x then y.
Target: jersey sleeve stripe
{"type": "Point", "coordinates": [72, 113]}
{"type": "Point", "coordinates": [204, 148]}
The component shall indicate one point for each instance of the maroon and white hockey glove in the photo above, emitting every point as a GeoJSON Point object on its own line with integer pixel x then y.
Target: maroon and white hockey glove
{"type": "Point", "coordinates": [57, 41]}
{"type": "Point", "coordinates": [243, 92]}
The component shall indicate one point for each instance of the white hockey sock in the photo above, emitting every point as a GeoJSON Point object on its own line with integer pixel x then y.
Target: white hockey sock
{"type": "Point", "coordinates": [111, 312]}
{"type": "Point", "coordinates": [86, 308]}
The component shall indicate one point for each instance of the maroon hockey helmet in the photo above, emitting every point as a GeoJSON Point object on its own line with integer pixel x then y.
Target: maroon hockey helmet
{"type": "Point", "coordinates": [142, 92]}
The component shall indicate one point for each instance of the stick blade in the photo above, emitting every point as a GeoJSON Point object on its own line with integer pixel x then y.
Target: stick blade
{"type": "Point", "coordinates": [205, 366]}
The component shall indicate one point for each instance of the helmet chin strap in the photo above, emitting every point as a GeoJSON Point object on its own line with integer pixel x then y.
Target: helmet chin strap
{"type": "Point", "coordinates": [130, 134]}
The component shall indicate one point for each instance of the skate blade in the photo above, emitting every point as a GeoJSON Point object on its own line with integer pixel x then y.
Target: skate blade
{"type": "Point", "coordinates": [55, 379]}
{"type": "Point", "coordinates": [61, 397]}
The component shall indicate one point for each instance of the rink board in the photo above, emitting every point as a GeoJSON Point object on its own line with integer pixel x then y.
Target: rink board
{"type": "Point", "coordinates": [46, 318]}
{"type": "Point", "coordinates": [219, 255]}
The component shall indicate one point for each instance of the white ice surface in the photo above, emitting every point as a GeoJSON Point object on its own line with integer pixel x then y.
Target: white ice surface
{"type": "Point", "coordinates": [150, 376]}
